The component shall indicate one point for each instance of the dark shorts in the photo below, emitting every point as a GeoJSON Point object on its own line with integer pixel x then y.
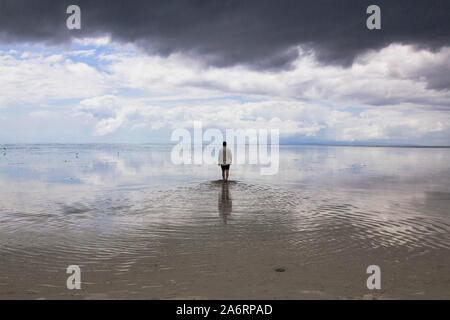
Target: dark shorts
{"type": "Point", "coordinates": [225, 167]}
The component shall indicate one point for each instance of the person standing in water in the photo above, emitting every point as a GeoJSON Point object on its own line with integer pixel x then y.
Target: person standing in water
{"type": "Point", "coordinates": [225, 158]}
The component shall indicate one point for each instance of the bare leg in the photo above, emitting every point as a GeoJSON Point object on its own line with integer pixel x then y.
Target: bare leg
{"type": "Point", "coordinates": [223, 175]}
{"type": "Point", "coordinates": [227, 173]}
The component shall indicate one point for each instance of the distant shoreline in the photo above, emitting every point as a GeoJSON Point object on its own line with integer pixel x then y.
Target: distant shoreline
{"type": "Point", "coordinates": [171, 143]}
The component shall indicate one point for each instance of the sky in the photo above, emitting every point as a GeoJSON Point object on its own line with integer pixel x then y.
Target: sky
{"type": "Point", "coordinates": [138, 70]}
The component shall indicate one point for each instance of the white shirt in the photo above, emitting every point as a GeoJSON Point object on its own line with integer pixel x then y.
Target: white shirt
{"type": "Point", "coordinates": [228, 156]}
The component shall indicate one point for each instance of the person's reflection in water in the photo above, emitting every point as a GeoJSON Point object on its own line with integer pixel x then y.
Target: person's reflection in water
{"type": "Point", "coordinates": [225, 202]}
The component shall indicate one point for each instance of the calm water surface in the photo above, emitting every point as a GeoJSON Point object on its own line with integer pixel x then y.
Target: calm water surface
{"type": "Point", "coordinates": [126, 214]}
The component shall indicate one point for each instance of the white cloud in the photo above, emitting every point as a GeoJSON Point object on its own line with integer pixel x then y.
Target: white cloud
{"type": "Point", "coordinates": [41, 79]}
{"type": "Point", "coordinates": [373, 80]}
{"type": "Point", "coordinates": [82, 53]}
{"type": "Point", "coordinates": [290, 117]}
{"type": "Point", "coordinates": [393, 90]}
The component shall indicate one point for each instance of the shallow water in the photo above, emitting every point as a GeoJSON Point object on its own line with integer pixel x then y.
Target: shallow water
{"type": "Point", "coordinates": [140, 226]}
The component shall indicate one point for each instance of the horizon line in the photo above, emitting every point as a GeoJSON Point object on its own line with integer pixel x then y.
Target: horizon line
{"type": "Point", "coordinates": [378, 145]}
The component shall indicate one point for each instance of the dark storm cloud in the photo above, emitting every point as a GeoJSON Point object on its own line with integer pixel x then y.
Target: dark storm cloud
{"type": "Point", "coordinates": [260, 33]}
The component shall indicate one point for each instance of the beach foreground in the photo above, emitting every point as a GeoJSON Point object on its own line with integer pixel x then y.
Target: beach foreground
{"type": "Point", "coordinates": [141, 227]}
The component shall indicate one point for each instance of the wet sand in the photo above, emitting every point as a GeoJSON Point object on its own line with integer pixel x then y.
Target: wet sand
{"type": "Point", "coordinates": [309, 233]}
